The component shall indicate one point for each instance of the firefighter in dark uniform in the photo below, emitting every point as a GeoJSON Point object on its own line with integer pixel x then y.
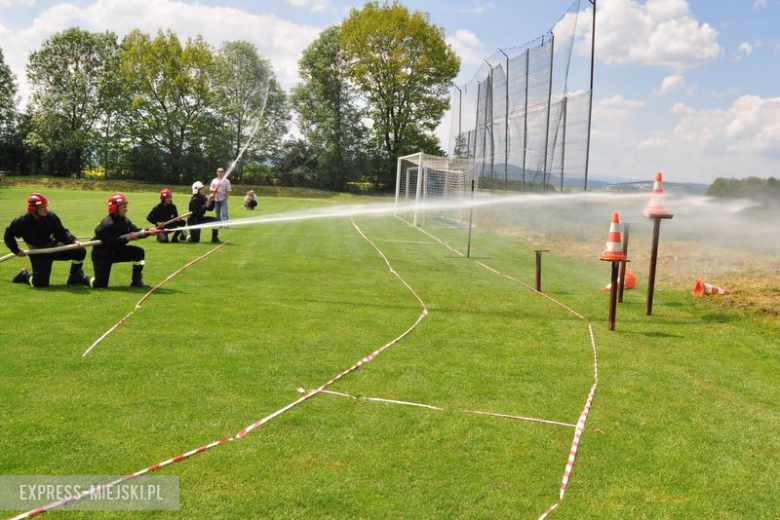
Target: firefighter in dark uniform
{"type": "Point", "coordinates": [115, 231]}
{"type": "Point", "coordinates": [199, 204]}
{"type": "Point", "coordinates": [41, 228]}
{"type": "Point", "coordinates": [163, 212]}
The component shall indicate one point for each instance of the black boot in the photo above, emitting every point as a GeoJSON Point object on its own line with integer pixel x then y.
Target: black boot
{"type": "Point", "coordinates": [178, 236]}
{"type": "Point", "coordinates": [138, 279]}
{"type": "Point", "coordinates": [215, 236]}
{"type": "Point", "coordinates": [77, 277]}
{"type": "Point", "coordinates": [22, 276]}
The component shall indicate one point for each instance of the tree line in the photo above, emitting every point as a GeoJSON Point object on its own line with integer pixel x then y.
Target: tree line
{"type": "Point", "coordinates": [156, 108]}
{"type": "Point", "coordinates": [755, 188]}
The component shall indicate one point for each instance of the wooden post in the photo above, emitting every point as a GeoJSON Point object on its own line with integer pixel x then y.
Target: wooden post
{"type": "Point", "coordinates": [613, 295]}
{"type": "Point", "coordinates": [654, 260]}
{"type": "Point", "coordinates": [626, 232]}
{"type": "Point", "coordinates": [539, 268]}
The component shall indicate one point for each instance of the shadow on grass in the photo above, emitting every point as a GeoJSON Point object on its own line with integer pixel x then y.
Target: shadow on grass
{"type": "Point", "coordinates": [720, 317]}
{"type": "Point", "coordinates": [658, 334]}
{"type": "Point", "coordinates": [80, 289]}
{"type": "Point", "coordinates": [351, 303]}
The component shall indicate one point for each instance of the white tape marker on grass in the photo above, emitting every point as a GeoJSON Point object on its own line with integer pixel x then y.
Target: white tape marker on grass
{"type": "Point", "coordinates": [580, 427]}
{"type": "Point", "coordinates": [145, 296]}
{"type": "Point", "coordinates": [438, 408]}
{"type": "Point", "coordinates": [241, 434]}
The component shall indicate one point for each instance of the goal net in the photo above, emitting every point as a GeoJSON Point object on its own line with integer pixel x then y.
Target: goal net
{"type": "Point", "coordinates": [423, 179]}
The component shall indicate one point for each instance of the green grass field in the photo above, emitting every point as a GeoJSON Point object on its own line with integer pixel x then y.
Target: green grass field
{"type": "Point", "coordinates": [683, 423]}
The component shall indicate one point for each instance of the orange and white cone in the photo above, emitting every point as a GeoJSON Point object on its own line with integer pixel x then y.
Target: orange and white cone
{"type": "Point", "coordinates": [630, 281]}
{"type": "Point", "coordinates": [614, 250]}
{"type": "Point", "coordinates": [655, 207]}
{"type": "Point", "coordinates": [701, 288]}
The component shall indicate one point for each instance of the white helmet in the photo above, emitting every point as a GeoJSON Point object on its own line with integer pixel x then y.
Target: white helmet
{"type": "Point", "coordinates": [196, 186]}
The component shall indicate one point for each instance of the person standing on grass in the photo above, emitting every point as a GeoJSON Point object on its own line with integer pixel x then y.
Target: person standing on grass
{"type": "Point", "coordinates": [40, 228]}
{"type": "Point", "coordinates": [115, 231]}
{"type": "Point", "coordinates": [199, 205]}
{"type": "Point", "coordinates": [220, 192]}
{"type": "Point", "coordinates": [164, 212]}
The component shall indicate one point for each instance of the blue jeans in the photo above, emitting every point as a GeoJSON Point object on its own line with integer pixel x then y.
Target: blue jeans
{"type": "Point", "coordinates": [221, 209]}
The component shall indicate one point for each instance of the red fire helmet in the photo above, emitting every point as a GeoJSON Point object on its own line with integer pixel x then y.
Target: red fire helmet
{"type": "Point", "coordinates": [165, 193]}
{"type": "Point", "coordinates": [35, 201]}
{"type": "Point", "coordinates": [115, 200]}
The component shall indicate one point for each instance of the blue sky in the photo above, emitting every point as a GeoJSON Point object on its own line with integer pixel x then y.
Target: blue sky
{"type": "Point", "coordinates": [686, 87]}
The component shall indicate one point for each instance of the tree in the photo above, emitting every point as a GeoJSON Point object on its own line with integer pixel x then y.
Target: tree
{"type": "Point", "coordinates": [328, 115]}
{"type": "Point", "coordinates": [7, 97]}
{"type": "Point", "coordinates": [253, 107]}
{"type": "Point", "coordinates": [7, 115]}
{"type": "Point", "coordinates": [402, 65]}
{"type": "Point", "coordinates": [73, 77]}
{"type": "Point", "coordinates": [169, 85]}
{"type": "Point", "coordinates": [296, 165]}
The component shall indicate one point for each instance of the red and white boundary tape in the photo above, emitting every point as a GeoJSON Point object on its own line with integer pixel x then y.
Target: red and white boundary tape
{"type": "Point", "coordinates": [438, 408]}
{"type": "Point", "coordinates": [100, 488]}
{"type": "Point", "coordinates": [575, 443]}
{"type": "Point", "coordinates": [149, 293]}
{"type": "Point", "coordinates": [357, 365]}
{"type": "Point", "coordinates": [580, 427]}
{"type": "Point", "coordinates": [241, 434]}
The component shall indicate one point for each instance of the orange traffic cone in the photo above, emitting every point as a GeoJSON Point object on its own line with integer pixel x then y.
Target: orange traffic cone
{"type": "Point", "coordinates": [655, 207]}
{"type": "Point", "coordinates": [614, 250]}
{"type": "Point", "coordinates": [630, 281]}
{"type": "Point", "coordinates": [701, 288]}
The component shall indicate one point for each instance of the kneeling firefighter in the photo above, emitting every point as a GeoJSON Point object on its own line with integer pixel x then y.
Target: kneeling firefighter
{"type": "Point", "coordinates": [163, 216]}
{"type": "Point", "coordinates": [40, 228]}
{"type": "Point", "coordinates": [115, 231]}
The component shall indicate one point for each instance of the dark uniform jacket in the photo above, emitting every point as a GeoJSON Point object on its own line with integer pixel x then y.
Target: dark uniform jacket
{"type": "Point", "coordinates": [198, 208]}
{"type": "Point", "coordinates": [109, 232]}
{"type": "Point", "coordinates": [162, 213]}
{"type": "Point", "coordinates": [38, 232]}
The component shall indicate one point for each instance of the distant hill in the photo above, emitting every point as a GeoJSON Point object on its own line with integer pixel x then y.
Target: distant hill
{"type": "Point", "coordinates": [686, 188]}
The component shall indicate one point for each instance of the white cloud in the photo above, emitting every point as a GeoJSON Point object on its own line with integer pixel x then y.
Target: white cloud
{"type": "Point", "coordinates": [760, 4]}
{"type": "Point", "coordinates": [317, 6]}
{"type": "Point", "coordinates": [745, 49]}
{"type": "Point", "coordinates": [750, 126]}
{"type": "Point", "coordinates": [670, 84]}
{"type": "Point", "coordinates": [730, 91]}
{"type": "Point", "coordinates": [653, 142]}
{"type": "Point", "coordinates": [279, 40]}
{"type": "Point", "coordinates": [618, 101]}
{"type": "Point", "coordinates": [9, 3]}
{"type": "Point", "coordinates": [739, 140]}
{"type": "Point", "coordinates": [466, 44]}
{"type": "Point", "coordinates": [660, 33]}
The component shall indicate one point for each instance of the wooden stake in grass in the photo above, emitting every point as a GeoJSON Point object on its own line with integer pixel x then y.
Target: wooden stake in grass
{"type": "Point", "coordinates": [613, 253]}
{"type": "Point", "coordinates": [655, 211]}
{"type": "Point", "coordinates": [626, 233]}
{"type": "Point", "coordinates": [539, 268]}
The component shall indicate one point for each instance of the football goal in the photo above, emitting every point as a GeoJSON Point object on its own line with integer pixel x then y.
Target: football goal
{"type": "Point", "coordinates": [422, 178]}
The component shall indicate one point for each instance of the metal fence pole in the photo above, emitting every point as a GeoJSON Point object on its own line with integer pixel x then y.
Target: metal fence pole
{"type": "Point", "coordinates": [590, 100]}
{"type": "Point", "coordinates": [549, 107]}
{"type": "Point", "coordinates": [525, 123]}
{"type": "Point", "coordinates": [506, 128]}
{"type": "Point", "coordinates": [563, 143]}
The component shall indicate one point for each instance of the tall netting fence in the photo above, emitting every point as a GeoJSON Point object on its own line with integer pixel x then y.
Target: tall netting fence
{"type": "Point", "coordinates": [517, 121]}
